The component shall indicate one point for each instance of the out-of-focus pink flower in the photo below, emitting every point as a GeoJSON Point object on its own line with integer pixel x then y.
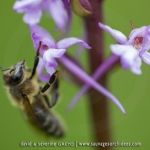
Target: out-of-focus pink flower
{"type": "Point", "coordinates": [33, 10]}
{"type": "Point", "coordinates": [133, 49]}
{"type": "Point", "coordinates": [50, 49]}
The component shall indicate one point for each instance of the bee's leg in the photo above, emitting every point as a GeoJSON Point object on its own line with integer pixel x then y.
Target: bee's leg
{"type": "Point", "coordinates": [55, 92]}
{"type": "Point", "coordinates": [51, 81]}
{"type": "Point", "coordinates": [47, 101]}
{"type": "Point", "coordinates": [55, 85]}
{"type": "Point", "coordinates": [50, 105]}
{"type": "Point", "coordinates": [36, 61]}
{"type": "Point", "coordinates": [54, 99]}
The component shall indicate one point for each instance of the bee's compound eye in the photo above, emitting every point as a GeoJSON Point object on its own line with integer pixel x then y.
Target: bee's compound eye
{"type": "Point", "coordinates": [17, 77]}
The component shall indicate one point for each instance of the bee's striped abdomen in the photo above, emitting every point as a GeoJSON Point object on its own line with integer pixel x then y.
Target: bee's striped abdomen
{"type": "Point", "coordinates": [48, 121]}
{"type": "Point", "coordinates": [44, 119]}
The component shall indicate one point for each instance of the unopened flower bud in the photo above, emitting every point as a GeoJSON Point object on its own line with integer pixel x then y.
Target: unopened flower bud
{"type": "Point", "coordinates": [81, 8]}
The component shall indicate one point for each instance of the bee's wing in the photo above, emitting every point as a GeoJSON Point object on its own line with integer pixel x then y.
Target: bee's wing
{"type": "Point", "coordinates": [41, 118]}
{"type": "Point", "coordinates": [30, 113]}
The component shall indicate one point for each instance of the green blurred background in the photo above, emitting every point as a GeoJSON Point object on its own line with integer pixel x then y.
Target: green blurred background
{"type": "Point", "coordinates": [131, 90]}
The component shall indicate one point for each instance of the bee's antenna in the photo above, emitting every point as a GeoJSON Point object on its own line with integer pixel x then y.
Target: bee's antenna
{"type": "Point", "coordinates": [4, 69]}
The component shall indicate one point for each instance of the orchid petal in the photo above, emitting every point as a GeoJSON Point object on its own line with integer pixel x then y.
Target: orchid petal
{"type": "Point", "coordinates": [58, 14]}
{"type": "Point", "coordinates": [44, 77]}
{"type": "Point", "coordinates": [146, 41]}
{"type": "Point", "coordinates": [40, 34]}
{"type": "Point", "coordinates": [33, 16]}
{"type": "Point", "coordinates": [66, 5]}
{"type": "Point", "coordinates": [50, 54]}
{"type": "Point", "coordinates": [50, 69]}
{"type": "Point", "coordinates": [118, 36]}
{"type": "Point", "coordinates": [135, 68]}
{"type": "Point", "coordinates": [127, 52]}
{"type": "Point", "coordinates": [67, 42]}
{"type": "Point", "coordinates": [40, 68]}
{"type": "Point", "coordinates": [119, 50]}
{"type": "Point", "coordinates": [57, 53]}
{"type": "Point", "coordinates": [24, 5]}
{"type": "Point", "coordinates": [146, 57]}
{"type": "Point", "coordinates": [136, 33]}
{"type": "Point", "coordinates": [130, 55]}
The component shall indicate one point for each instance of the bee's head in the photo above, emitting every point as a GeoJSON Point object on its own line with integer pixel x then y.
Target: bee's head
{"type": "Point", "coordinates": [14, 75]}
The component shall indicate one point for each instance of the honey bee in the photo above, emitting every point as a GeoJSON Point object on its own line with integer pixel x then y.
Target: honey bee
{"type": "Point", "coordinates": [27, 94]}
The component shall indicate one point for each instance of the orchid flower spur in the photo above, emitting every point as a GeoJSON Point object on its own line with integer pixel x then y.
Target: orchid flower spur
{"type": "Point", "coordinates": [50, 50]}
{"type": "Point", "coordinates": [33, 9]}
{"type": "Point", "coordinates": [131, 51]}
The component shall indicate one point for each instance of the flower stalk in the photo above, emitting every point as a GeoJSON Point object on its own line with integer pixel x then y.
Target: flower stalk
{"type": "Point", "coordinates": [97, 102]}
